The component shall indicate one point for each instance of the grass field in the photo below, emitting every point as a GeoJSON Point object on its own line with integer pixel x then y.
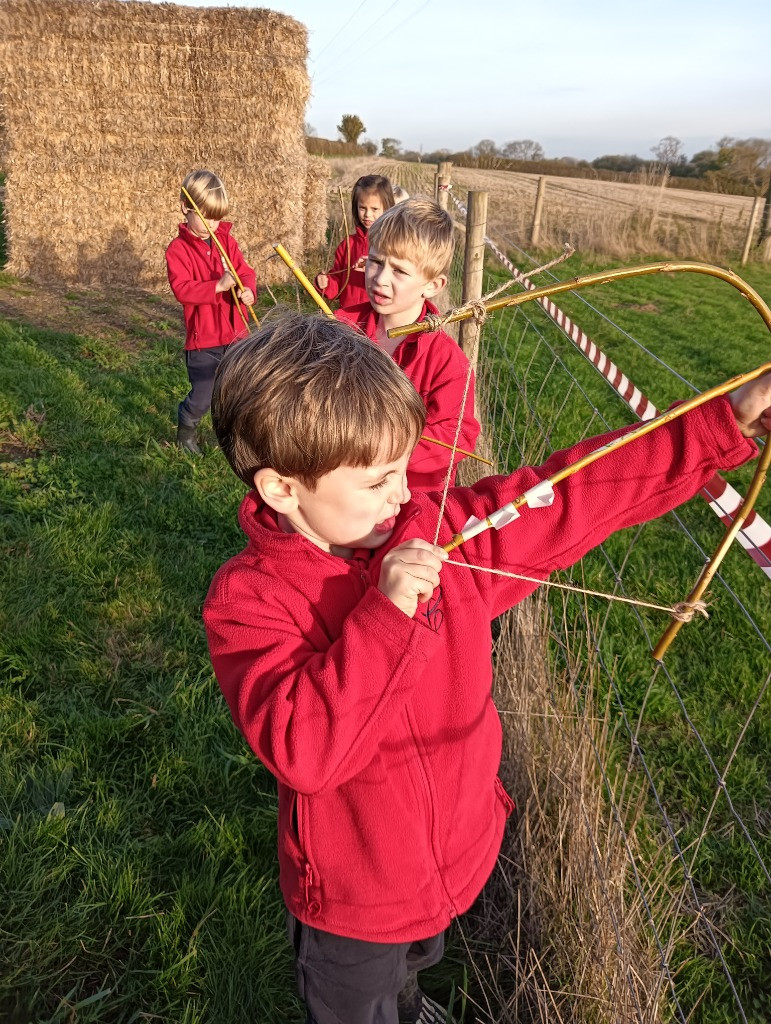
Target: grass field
{"type": "Point", "coordinates": [137, 833]}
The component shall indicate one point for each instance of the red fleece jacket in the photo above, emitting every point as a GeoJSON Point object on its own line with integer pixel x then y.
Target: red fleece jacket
{"type": "Point", "coordinates": [437, 367]}
{"type": "Point", "coordinates": [381, 728]}
{"type": "Point", "coordinates": [194, 266]}
{"type": "Point", "coordinates": [353, 293]}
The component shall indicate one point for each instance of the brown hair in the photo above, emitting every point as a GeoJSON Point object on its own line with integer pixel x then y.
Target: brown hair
{"type": "Point", "coordinates": [371, 183]}
{"type": "Point", "coordinates": [306, 394]}
{"type": "Point", "coordinates": [418, 230]}
{"type": "Point", "coordinates": [207, 192]}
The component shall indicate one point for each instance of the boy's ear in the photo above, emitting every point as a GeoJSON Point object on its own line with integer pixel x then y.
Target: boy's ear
{"type": "Point", "coordinates": [278, 492]}
{"type": "Point", "coordinates": [434, 286]}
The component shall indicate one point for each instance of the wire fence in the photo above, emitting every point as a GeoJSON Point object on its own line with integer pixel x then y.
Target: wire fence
{"type": "Point", "coordinates": [637, 887]}
{"type": "Point", "coordinates": [611, 218]}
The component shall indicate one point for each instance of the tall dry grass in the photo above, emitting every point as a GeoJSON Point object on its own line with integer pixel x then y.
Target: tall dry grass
{"type": "Point", "coordinates": [614, 219]}
{"type": "Point", "coordinates": [562, 931]}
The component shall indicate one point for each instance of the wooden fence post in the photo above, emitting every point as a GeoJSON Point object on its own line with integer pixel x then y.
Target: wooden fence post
{"type": "Point", "coordinates": [473, 267]}
{"type": "Point", "coordinates": [443, 184]}
{"type": "Point", "coordinates": [765, 220]}
{"type": "Point", "coordinates": [751, 228]}
{"type": "Point", "coordinates": [535, 233]}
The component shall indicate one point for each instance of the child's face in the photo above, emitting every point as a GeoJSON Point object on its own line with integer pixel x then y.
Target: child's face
{"type": "Point", "coordinates": [352, 506]}
{"type": "Point", "coordinates": [369, 208]}
{"type": "Point", "coordinates": [196, 225]}
{"type": "Point", "coordinates": [397, 287]}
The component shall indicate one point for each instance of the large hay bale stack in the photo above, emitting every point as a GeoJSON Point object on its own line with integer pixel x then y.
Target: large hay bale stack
{"type": "Point", "coordinates": [108, 104]}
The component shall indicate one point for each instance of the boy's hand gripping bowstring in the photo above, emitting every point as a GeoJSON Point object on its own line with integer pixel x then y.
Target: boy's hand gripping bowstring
{"type": "Point", "coordinates": [409, 573]}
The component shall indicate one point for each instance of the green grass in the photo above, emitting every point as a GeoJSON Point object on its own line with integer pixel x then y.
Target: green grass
{"type": "Point", "coordinates": [137, 831]}
{"type": "Point", "coordinates": [709, 333]}
{"type": "Point", "coordinates": [137, 834]}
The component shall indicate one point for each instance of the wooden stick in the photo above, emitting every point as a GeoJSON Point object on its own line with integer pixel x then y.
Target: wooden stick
{"type": "Point", "coordinates": [281, 251]}
{"type": "Point", "coordinates": [347, 242]}
{"type": "Point", "coordinates": [460, 451]}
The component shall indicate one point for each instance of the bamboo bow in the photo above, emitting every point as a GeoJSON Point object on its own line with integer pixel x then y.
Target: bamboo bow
{"type": "Point", "coordinates": [542, 494]}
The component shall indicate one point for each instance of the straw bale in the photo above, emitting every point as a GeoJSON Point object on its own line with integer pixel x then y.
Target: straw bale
{"type": "Point", "coordinates": [108, 104]}
{"type": "Point", "coordinates": [316, 184]}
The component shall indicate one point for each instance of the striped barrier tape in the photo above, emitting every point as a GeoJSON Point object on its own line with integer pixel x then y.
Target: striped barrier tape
{"type": "Point", "coordinates": [722, 498]}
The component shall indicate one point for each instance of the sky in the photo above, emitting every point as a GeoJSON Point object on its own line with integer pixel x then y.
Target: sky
{"type": "Point", "coordinates": [582, 79]}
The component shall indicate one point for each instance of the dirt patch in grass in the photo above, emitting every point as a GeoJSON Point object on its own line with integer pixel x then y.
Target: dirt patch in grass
{"type": "Point", "coordinates": [14, 449]}
{"type": "Point", "coordinates": [126, 318]}
{"type": "Point", "coordinates": [646, 307]}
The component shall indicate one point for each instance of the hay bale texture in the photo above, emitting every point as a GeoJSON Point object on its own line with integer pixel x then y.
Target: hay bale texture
{"type": "Point", "coordinates": [316, 185]}
{"type": "Point", "coordinates": [108, 104]}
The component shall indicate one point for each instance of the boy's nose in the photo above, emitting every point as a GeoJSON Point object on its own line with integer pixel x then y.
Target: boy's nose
{"type": "Point", "coordinates": [401, 492]}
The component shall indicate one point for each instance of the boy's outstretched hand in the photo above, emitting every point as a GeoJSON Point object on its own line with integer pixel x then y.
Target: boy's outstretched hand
{"type": "Point", "coordinates": [409, 573]}
{"type": "Point", "coordinates": [752, 406]}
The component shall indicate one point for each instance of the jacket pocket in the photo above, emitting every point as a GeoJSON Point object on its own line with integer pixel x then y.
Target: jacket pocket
{"type": "Point", "coordinates": [309, 880]}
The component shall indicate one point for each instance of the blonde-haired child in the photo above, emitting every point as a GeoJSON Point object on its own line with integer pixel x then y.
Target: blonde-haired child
{"type": "Point", "coordinates": [410, 251]}
{"type": "Point", "coordinates": [203, 285]}
{"type": "Point", "coordinates": [372, 196]}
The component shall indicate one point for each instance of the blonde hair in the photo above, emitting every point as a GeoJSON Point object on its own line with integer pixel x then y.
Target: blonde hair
{"type": "Point", "coordinates": [306, 394]}
{"type": "Point", "coordinates": [207, 192]}
{"type": "Point", "coordinates": [418, 230]}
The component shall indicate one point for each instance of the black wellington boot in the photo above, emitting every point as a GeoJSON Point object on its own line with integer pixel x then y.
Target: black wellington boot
{"type": "Point", "coordinates": [186, 438]}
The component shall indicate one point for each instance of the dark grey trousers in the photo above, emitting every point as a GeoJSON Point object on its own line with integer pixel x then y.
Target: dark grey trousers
{"type": "Point", "coordinates": [201, 366]}
{"type": "Point", "coordinates": [350, 981]}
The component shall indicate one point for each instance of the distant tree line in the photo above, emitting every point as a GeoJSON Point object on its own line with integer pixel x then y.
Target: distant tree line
{"type": "Point", "coordinates": [734, 166]}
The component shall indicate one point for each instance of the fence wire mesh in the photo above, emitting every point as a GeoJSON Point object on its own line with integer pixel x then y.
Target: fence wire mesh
{"type": "Point", "coordinates": [637, 887]}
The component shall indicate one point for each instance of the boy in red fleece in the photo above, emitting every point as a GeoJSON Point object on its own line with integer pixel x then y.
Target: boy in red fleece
{"type": "Point", "coordinates": [355, 656]}
{"type": "Point", "coordinates": [410, 251]}
{"type": "Point", "coordinates": [203, 285]}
